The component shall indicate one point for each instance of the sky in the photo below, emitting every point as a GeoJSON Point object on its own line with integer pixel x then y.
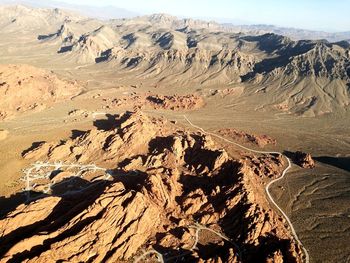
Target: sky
{"type": "Point", "coordinates": [328, 15]}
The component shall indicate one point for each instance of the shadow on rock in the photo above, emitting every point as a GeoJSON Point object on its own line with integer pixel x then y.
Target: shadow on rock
{"type": "Point", "coordinates": [77, 134]}
{"type": "Point", "coordinates": [33, 147]}
{"type": "Point", "coordinates": [106, 124]}
{"type": "Point", "coordinates": [67, 208]}
{"type": "Point", "coordinates": [8, 204]}
{"type": "Point", "coordinates": [268, 247]}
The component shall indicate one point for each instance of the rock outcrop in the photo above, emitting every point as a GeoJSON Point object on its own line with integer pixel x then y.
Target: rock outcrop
{"type": "Point", "coordinates": [25, 88]}
{"type": "Point", "coordinates": [175, 102]}
{"type": "Point", "coordinates": [168, 188]}
{"type": "Point", "coordinates": [166, 102]}
{"type": "Point", "coordinates": [259, 140]}
{"type": "Point", "coordinates": [304, 160]}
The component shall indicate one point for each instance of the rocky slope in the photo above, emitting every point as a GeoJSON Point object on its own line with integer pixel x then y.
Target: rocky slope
{"type": "Point", "coordinates": [305, 77]}
{"type": "Point", "coordinates": [170, 191]}
{"type": "Point", "coordinates": [183, 53]}
{"type": "Point", "coordinates": [89, 46]}
{"type": "Point", "coordinates": [25, 88]}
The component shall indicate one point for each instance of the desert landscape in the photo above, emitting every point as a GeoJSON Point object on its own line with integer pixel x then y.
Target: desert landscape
{"type": "Point", "coordinates": [163, 139]}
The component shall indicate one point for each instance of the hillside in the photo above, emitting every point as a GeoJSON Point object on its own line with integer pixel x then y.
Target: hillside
{"type": "Point", "coordinates": [187, 52]}
{"type": "Point", "coordinates": [166, 188]}
{"type": "Point", "coordinates": [14, 17]}
{"type": "Point", "coordinates": [305, 77]}
{"type": "Point", "coordinates": [25, 88]}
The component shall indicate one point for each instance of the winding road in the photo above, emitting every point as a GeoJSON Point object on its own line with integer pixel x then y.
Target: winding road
{"type": "Point", "coordinates": [267, 188]}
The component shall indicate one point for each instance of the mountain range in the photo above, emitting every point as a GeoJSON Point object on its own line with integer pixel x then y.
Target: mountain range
{"type": "Point", "coordinates": [306, 77]}
{"type": "Point", "coordinates": [231, 25]}
{"type": "Point", "coordinates": [154, 138]}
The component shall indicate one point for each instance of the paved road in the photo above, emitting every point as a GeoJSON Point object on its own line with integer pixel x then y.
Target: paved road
{"type": "Point", "coordinates": [267, 188]}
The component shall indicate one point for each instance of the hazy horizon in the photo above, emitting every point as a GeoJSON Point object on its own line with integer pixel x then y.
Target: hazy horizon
{"type": "Point", "coordinates": [311, 15]}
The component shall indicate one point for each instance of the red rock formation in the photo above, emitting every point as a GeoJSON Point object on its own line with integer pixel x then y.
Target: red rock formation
{"type": "Point", "coordinates": [175, 102]}
{"type": "Point", "coordinates": [26, 88]}
{"type": "Point", "coordinates": [171, 102]}
{"type": "Point", "coordinates": [260, 140]}
{"type": "Point", "coordinates": [304, 160]}
{"type": "Point", "coordinates": [168, 186]}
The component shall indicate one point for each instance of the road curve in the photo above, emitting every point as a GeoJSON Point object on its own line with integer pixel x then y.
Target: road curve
{"type": "Point", "coordinates": [267, 188]}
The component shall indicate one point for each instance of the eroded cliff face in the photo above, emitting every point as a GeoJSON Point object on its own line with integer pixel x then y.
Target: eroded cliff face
{"type": "Point", "coordinates": [169, 190]}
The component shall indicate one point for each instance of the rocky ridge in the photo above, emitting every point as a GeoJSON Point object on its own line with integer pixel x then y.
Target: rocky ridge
{"type": "Point", "coordinates": [305, 77]}
{"type": "Point", "coordinates": [166, 185]}
{"type": "Point", "coordinates": [172, 55]}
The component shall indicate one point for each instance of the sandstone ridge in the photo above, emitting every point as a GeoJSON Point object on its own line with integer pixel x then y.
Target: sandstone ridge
{"type": "Point", "coordinates": [167, 187]}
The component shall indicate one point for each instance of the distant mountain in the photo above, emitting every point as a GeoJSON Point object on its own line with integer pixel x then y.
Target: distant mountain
{"type": "Point", "coordinates": [104, 12]}
{"type": "Point", "coordinates": [112, 12]}
{"type": "Point", "coordinates": [305, 77]}
{"type": "Point", "coordinates": [293, 33]}
{"type": "Point", "coordinates": [19, 17]}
